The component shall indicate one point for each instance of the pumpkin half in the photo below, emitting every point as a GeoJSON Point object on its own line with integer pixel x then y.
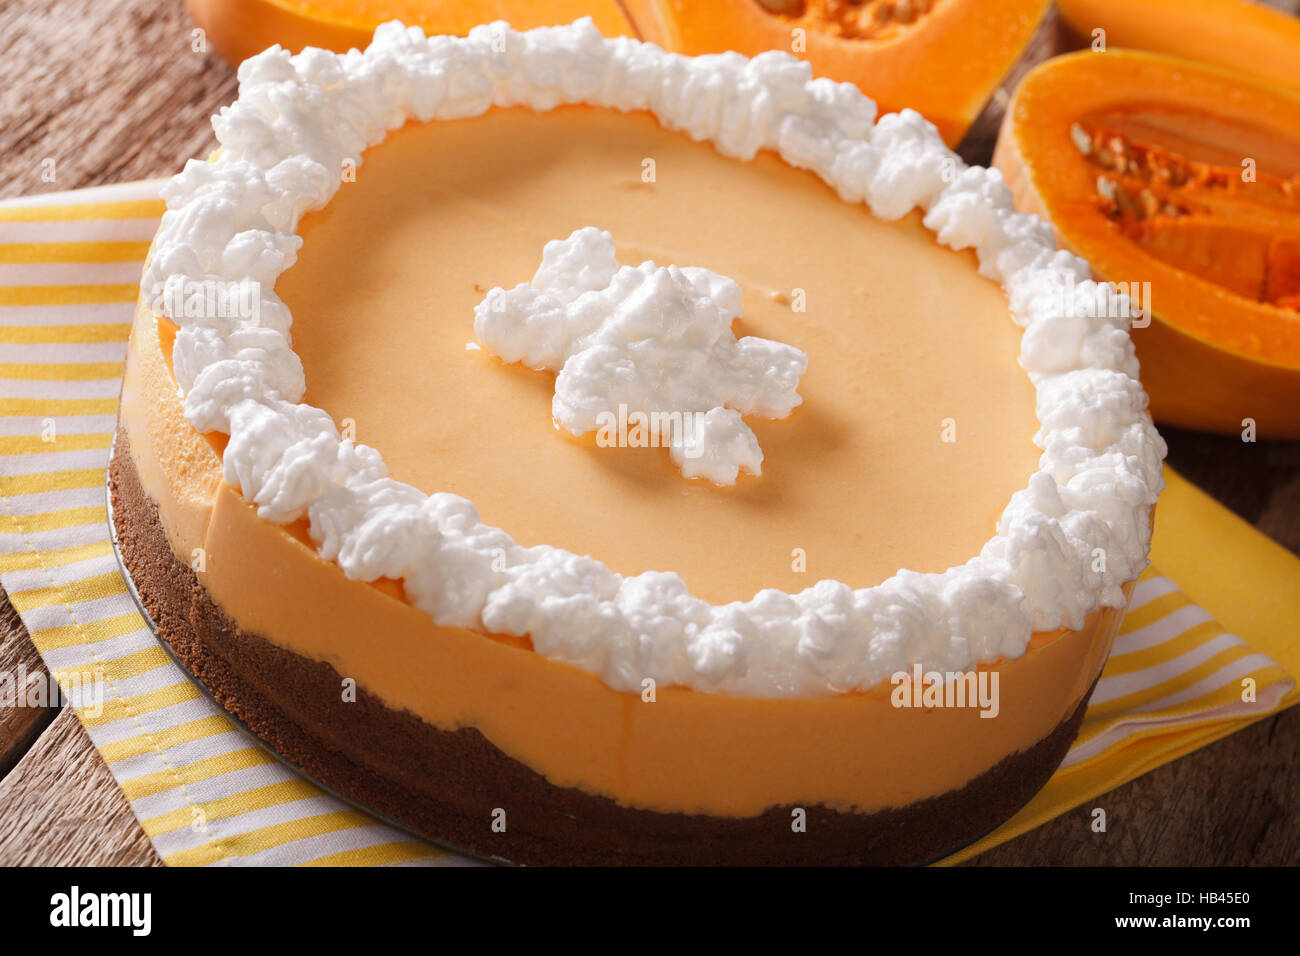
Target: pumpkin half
{"type": "Point", "coordinates": [1186, 177]}
{"type": "Point", "coordinates": [238, 29]}
{"type": "Point", "coordinates": [1236, 34]}
{"type": "Point", "coordinates": [943, 58]}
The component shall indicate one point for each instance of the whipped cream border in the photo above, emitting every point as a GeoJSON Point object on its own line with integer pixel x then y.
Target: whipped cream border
{"type": "Point", "coordinates": [1063, 547]}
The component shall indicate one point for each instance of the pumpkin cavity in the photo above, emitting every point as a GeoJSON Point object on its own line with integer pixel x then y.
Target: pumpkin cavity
{"type": "Point", "coordinates": [1219, 199]}
{"type": "Point", "coordinates": [851, 19]}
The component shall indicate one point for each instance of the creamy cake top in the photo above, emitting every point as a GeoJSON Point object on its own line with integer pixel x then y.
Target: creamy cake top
{"type": "Point", "coordinates": [1063, 547]}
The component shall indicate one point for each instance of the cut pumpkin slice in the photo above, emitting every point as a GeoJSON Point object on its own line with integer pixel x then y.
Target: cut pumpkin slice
{"type": "Point", "coordinates": [943, 58]}
{"type": "Point", "coordinates": [1186, 177]}
{"type": "Point", "coordinates": [237, 29]}
{"type": "Point", "coordinates": [1237, 34]}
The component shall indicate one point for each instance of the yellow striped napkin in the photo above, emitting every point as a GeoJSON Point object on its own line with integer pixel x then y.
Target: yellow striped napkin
{"type": "Point", "coordinates": [203, 789]}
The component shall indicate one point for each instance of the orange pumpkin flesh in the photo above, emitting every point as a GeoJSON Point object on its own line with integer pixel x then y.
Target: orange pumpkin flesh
{"type": "Point", "coordinates": [1187, 177]}
{"type": "Point", "coordinates": [943, 58]}
{"type": "Point", "coordinates": [1236, 34]}
{"type": "Point", "coordinates": [237, 29]}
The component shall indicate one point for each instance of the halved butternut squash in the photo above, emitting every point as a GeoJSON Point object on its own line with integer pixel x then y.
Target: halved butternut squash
{"type": "Point", "coordinates": [239, 28]}
{"type": "Point", "coordinates": [1186, 177]}
{"type": "Point", "coordinates": [1236, 34]}
{"type": "Point", "coordinates": [943, 58]}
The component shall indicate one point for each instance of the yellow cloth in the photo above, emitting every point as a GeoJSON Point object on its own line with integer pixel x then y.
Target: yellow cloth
{"type": "Point", "coordinates": [207, 794]}
{"type": "Point", "coordinates": [1254, 586]}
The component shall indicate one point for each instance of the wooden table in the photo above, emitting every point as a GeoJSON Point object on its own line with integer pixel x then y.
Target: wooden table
{"type": "Point", "coordinates": [114, 92]}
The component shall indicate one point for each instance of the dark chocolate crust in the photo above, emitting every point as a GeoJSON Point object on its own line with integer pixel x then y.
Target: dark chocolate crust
{"type": "Point", "coordinates": [446, 785]}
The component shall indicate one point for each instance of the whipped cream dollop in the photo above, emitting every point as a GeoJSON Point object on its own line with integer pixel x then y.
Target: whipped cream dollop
{"type": "Point", "coordinates": [1063, 547]}
{"type": "Point", "coordinates": [651, 340]}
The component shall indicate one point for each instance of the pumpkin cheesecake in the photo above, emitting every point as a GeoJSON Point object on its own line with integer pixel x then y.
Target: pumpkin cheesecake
{"type": "Point", "coordinates": [586, 454]}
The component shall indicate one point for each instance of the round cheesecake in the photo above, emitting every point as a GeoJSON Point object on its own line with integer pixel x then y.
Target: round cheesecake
{"type": "Point", "coordinates": [369, 538]}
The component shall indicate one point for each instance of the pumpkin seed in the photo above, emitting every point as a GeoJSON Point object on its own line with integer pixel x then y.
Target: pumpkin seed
{"type": "Point", "coordinates": [1082, 141]}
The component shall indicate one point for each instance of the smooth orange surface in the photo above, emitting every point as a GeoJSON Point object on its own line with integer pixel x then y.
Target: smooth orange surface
{"type": "Point", "coordinates": [945, 64]}
{"type": "Point", "coordinates": [1243, 35]}
{"type": "Point", "coordinates": [900, 334]}
{"type": "Point", "coordinates": [685, 751]}
{"type": "Point", "coordinates": [1211, 357]}
{"type": "Point", "coordinates": [180, 470]}
{"type": "Point", "coordinates": [237, 29]}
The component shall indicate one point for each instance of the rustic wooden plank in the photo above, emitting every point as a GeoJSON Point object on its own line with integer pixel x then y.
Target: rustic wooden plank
{"type": "Point", "coordinates": [63, 808]}
{"type": "Point", "coordinates": [1260, 481]}
{"type": "Point", "coordinates": [20, 665]}
{"type": "Point", "coordinates": [111, 92]}
{"type": "Point", "coordinates": [1234, 803]}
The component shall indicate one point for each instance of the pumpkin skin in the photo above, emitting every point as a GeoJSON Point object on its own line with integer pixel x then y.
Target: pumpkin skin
{"type": "Point", "coordinates": [1217, 238]}
{"type": "Point", "coordinates": [945, 61]}
{"type": "Point", "coordinates": [1235, 34]}
{"type": "Point", "coordinates": [237, 29]}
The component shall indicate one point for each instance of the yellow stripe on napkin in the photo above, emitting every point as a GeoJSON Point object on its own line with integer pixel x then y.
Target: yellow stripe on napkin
{"type": "Point", "coordinates": [203, 789]}
{"type": "Point", "coordinates": [1176, 701]}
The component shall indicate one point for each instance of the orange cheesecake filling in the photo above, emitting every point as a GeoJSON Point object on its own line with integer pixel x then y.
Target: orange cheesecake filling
{"type": "Point", "coordinates": [860, 478]}
{"type": "Point", "coordinates": [901, 335]}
